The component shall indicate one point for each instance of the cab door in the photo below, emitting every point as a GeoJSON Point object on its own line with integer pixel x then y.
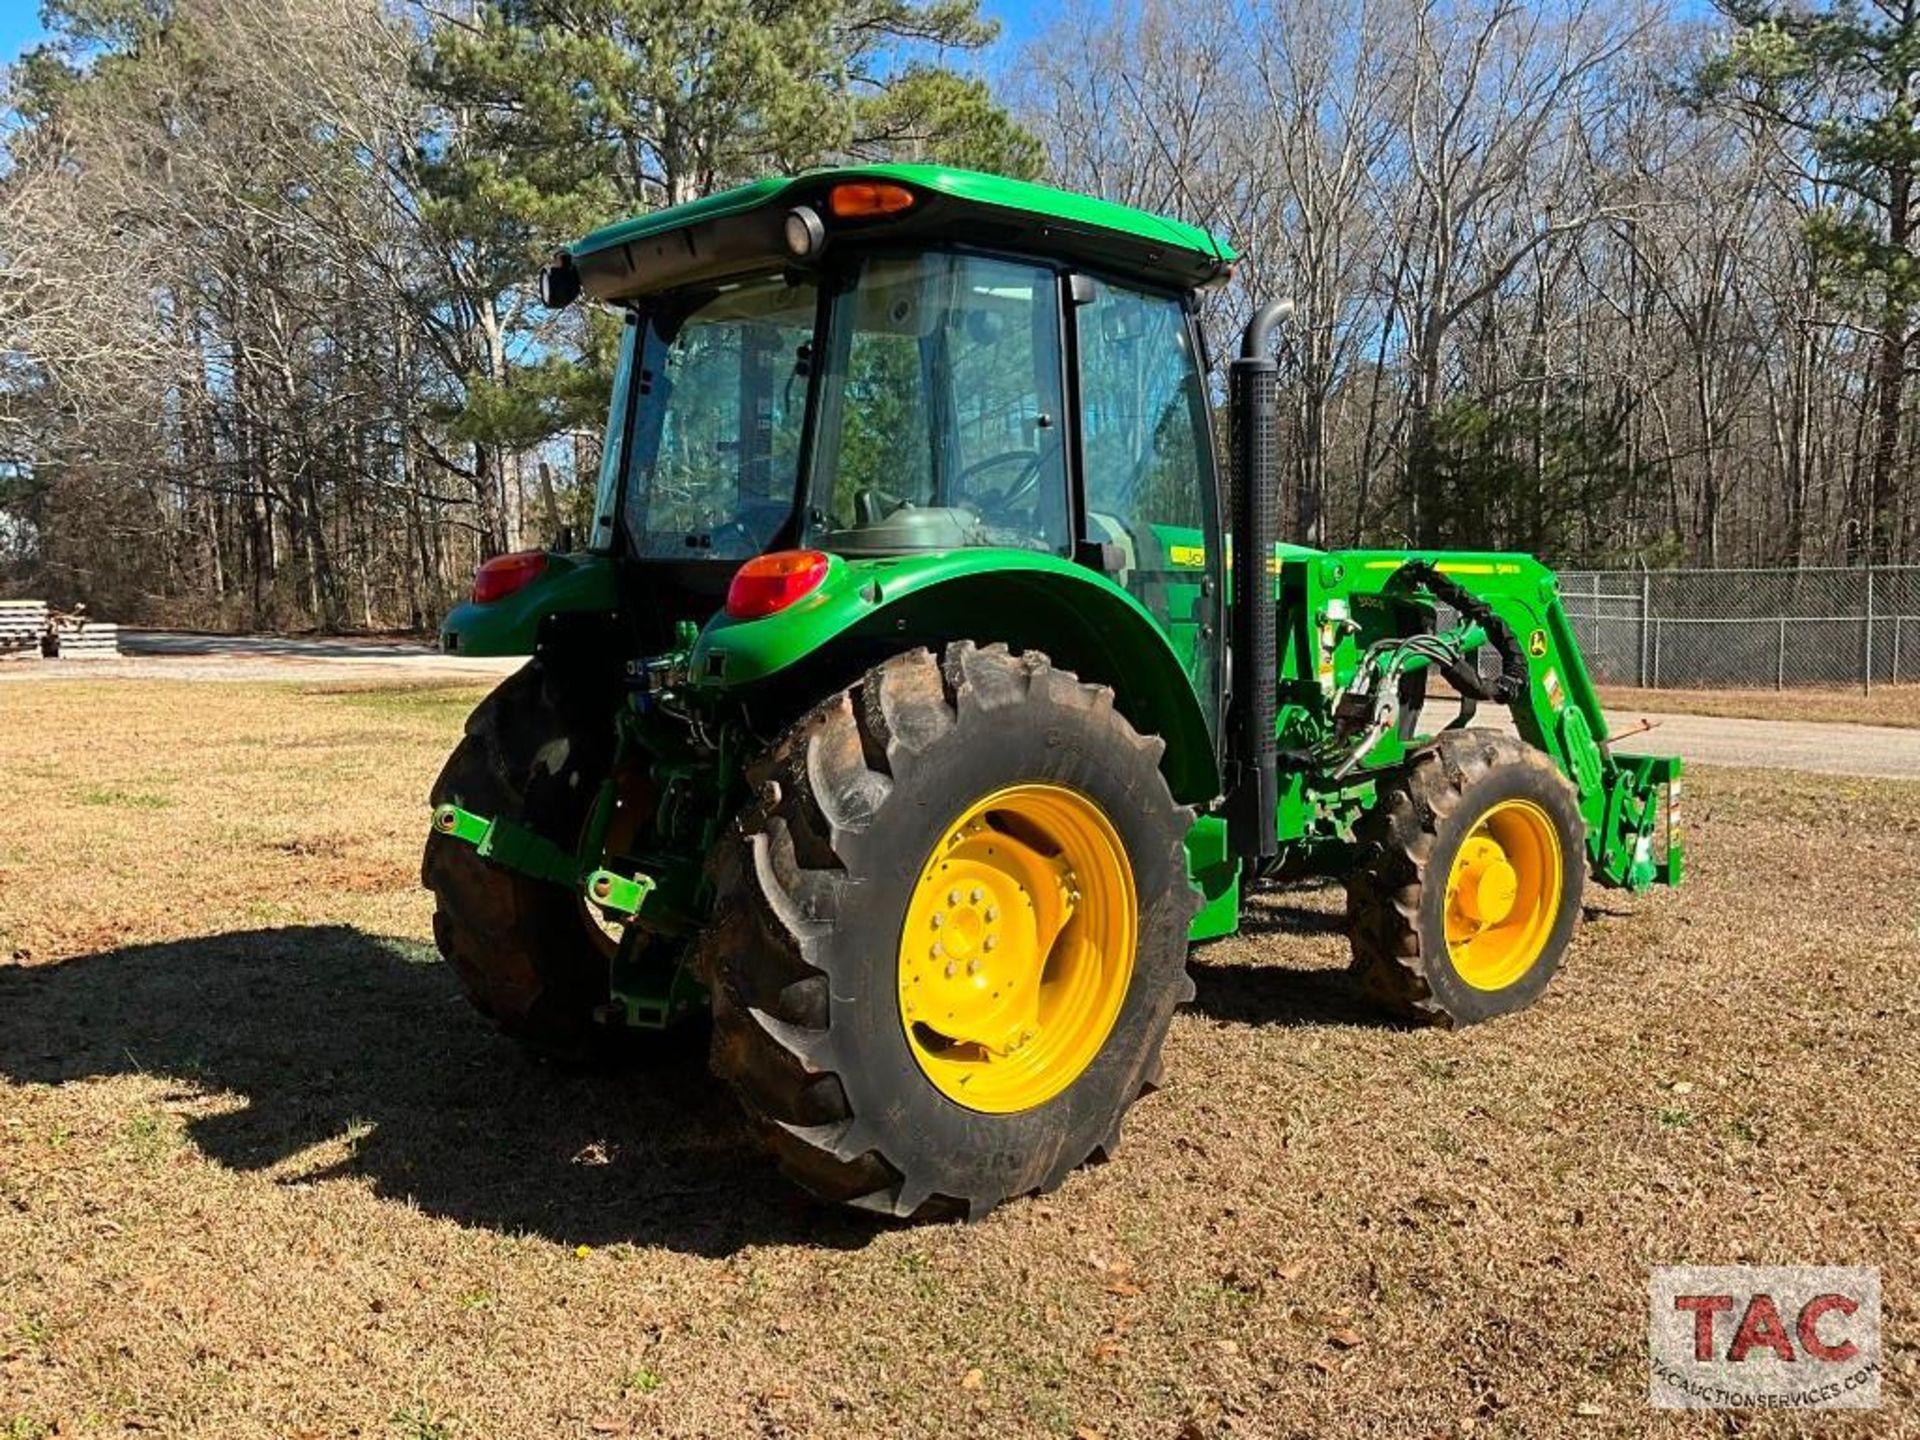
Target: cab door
{"type": "Point", "coordinates": [1146, 464]}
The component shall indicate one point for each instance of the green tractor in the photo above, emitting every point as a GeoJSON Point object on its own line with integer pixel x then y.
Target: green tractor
{"type": "Point", "coordinates": [928, 684]}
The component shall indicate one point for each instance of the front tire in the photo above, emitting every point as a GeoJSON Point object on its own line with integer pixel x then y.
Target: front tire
{"type": "Point", "coordinates": [1468, 882]}
{"type": "Point", "coordinates": [898, 828]}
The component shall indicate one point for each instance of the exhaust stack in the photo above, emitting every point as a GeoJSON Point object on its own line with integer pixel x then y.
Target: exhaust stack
{"type": "Point", "coordinates": [1253, 405]}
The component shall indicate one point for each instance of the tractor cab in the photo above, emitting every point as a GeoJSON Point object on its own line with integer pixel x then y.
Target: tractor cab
{"type": "Point", "coordinates": [895, 361]}
{"type": "Point", "coordinates": [905, 360]}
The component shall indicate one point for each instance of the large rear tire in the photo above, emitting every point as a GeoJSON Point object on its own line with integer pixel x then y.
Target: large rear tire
{"type": "Point", "coordinates": [892, 1057]}
{"type": "Point", "coordinates": [527, 951]}
{"type": "Point", "coordinates": [1468, 880]}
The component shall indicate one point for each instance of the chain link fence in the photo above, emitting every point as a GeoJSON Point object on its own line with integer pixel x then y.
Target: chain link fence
{"type": "Point", "coordinates": [1747, 629]}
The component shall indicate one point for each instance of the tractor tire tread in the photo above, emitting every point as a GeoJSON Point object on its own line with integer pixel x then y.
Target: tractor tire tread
{"type": "Point", "coordinates": [780, 883]}
{"type": "Point", "coordinates": [1395, 844]}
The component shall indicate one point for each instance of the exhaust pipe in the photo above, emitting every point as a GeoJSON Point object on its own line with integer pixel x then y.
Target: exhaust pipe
{"type": "Point", "coordinates": [1253, 385]}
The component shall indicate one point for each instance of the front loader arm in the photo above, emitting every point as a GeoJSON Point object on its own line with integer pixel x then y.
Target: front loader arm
{"type": "Point", "coordinates": [1632, 841]}
{"type": "Point", "coordinates": [1511, 604]}
{"type": "Point", "coordinates": [1620, 795]}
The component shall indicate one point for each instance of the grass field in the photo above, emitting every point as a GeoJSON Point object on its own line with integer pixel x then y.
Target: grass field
{"type": "Point", "coordinates": [263, 1173]}
{"type": "Point", "coordinates": [1897, 705]}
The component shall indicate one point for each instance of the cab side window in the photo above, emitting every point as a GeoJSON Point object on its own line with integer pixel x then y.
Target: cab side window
{"type": "Point", "coordinates": [1145, 455]}
{"type": "Point", "coordinates": [941, 419]}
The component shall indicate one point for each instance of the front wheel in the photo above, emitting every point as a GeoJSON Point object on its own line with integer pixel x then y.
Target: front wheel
{"type": "Point", "coordinates": [1468, 880]}
{"type": "Point", "coordinates": [953, 933]}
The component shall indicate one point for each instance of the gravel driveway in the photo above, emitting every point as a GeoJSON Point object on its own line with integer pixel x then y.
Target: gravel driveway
{"type": "Point", "coordinates": [1816, 747]}
{"type": "Point", "coordinates": [180, 655]}
{"type": "Point", "coordinates": [1877, 751]}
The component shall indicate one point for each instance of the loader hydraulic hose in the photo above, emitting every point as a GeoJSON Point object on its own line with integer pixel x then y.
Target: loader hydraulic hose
{"type": "Point", "coordinates": [1253, 394]}
{"type": "Point", "coordinates": [1462, 674]}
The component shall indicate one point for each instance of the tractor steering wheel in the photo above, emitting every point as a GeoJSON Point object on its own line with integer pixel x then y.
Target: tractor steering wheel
{"type": "Point", "coordinates": [1018, 489]}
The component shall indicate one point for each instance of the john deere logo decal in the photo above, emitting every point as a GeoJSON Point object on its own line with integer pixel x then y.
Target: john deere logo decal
{"type": "Point", "coordinates": [1537, 644]}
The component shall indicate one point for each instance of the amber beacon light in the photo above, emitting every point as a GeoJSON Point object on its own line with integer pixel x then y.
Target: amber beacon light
{"type": "Point", "coordinates": [852, 201]}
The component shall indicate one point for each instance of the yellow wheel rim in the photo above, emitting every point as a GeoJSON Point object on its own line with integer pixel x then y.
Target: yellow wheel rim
{"type": "Point", "coordinates": [1503, 895]}
{"type": "Point", "coordinates": [1017, 948]}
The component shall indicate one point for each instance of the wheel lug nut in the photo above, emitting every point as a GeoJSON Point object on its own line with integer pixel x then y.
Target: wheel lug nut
{"type": "Point", "coordinates": [951, 969]}
{"type": "Point", "coordinates": [992, 914]}
{"type": "Point", "coordinates": [938, 920]}
{"type": "Point", "coordinates": [975, 895]}
{"type": "Point", "coordinates": [937, 951]}
{"type": "Point", "coordinates": [953, 897]}
{"type": "Point", "coordinates": [991, 941]}
{"type": "Point", "coordinates": [973, 967]}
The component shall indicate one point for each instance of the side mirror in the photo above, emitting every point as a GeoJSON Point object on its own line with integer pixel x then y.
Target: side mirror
{"type": "Point", "coordinates": [559, 283]}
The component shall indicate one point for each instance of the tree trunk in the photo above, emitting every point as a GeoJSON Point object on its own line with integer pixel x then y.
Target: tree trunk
{"type": "Point", "coordinates": [1426, 517]}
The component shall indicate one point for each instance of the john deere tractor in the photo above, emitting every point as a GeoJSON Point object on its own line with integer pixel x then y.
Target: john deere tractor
{"type": "Point", "coordinates": [929, 682]}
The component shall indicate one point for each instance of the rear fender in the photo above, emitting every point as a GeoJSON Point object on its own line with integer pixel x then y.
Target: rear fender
{"type": "Point", "coordinates": [867, 609]}
{"type": "Point", "coordinates": [511, 625]}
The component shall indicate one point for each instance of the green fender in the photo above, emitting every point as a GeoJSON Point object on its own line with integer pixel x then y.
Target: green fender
{"type": "Point", "coordinates": [1081, 620]}
{"type": "Point", "coordinates": [511, 624]}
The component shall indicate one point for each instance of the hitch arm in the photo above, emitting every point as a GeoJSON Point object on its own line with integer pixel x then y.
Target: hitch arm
{"type": "Point", "coordinates": [508, 843]}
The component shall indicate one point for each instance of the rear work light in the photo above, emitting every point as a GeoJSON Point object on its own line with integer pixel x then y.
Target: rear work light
{"type": "Point", "coordinates": [504, 574]}
{"type": "Point", "coordinates": [806, 236]}
{"type": "Point", "coordinates": [855, 199]}
{"type": "Point", "coordinates": [770, 583]}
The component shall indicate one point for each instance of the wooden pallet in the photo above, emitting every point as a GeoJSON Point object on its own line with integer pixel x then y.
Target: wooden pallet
{"type": "Point", "coordinates": [23, 622]}
{"type": "Point", "coordinates": [93, 641]}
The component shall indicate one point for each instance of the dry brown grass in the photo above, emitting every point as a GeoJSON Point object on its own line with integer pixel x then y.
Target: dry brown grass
{"type": "Point", "coordinates": [262, 1173]}
{"type": "Point", "coordinates": [1886, 704]}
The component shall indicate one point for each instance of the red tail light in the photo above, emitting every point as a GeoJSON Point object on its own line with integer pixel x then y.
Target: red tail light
{"type": "Point", "coordinates": [504, 574]}
{"type": "Point", "coordinates": [771, 583]}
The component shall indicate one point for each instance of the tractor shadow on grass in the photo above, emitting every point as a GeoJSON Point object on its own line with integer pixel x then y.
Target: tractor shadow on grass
{"type": "Point", "coordinates": [1276, 992]}
{"type": "Point", "coordinates": [329, 1037]}
{"type": "Point", "coordinates": [1281, 994]}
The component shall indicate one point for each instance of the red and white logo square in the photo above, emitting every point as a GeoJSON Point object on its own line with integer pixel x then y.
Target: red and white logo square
{"type": "Point", "coordinates": [1752, 1337]}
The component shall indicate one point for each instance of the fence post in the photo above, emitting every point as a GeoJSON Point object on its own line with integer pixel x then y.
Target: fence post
{"type": "Point", "coordinates": [1894, 679]}
{"type": "Point", "coordinates": [1780, 662]}
{"type": "Point", "coordinates": [1646, 608]}
{"type": "Point", "coordinates": [1656, 654]}
{"type": "Point", "coordinates": [1866, 641]}
{"type": "Point", "coordinates": [1599, 625]}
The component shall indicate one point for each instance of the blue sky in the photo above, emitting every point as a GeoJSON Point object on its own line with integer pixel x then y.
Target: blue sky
{"type": "Point", "coordinates": [19, 27]}
{"type": "Point", "coordinates": [1018, 21]}
{"type": "Point", "coordinates": [20, 23]}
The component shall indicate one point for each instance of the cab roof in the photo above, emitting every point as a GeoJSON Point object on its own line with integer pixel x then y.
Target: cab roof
{"type": "Point", "coordinates": [706, 238]}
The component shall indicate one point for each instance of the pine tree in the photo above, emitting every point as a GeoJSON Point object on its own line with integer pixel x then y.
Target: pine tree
{"type": "Point", "coordinates": [563, 116]}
